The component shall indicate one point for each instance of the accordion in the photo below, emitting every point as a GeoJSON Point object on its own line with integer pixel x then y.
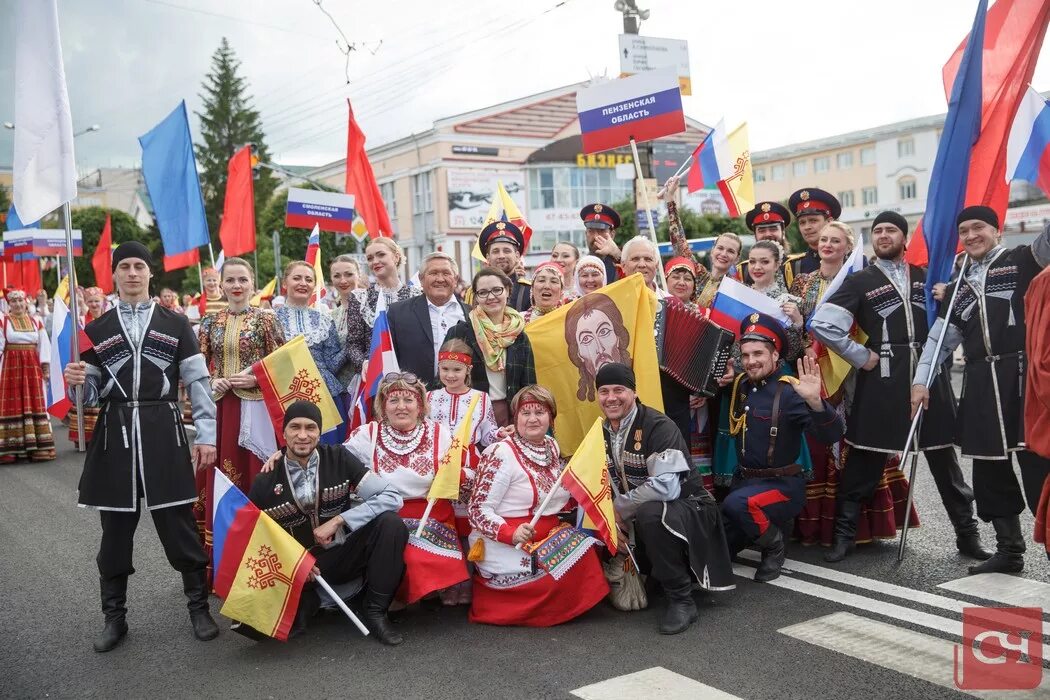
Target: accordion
{"type": "Point", "coordinates": [691, 348]}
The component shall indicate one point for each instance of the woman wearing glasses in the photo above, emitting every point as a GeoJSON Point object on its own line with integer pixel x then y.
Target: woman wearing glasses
{"type": "Point", "coordinates": [555, 575]}
{"type": "Point", "coordinates": [405, 446]}
{"type": "Point", "coordinates": [503, 362]}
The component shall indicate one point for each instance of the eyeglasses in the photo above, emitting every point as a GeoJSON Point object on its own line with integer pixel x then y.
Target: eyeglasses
{"type": "Point", "coordinates": [406, 377]}
{"type": "Point", "coordinates": [485, 293]}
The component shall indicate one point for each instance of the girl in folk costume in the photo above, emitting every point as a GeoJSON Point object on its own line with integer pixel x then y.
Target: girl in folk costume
{"type": "Point", "coordinates": [25, 427]}
{"type": "Point", "coordinates": [231, 341]}
{"type": "Point", "coordinates": [297, 318]}
{"type": "Point", "coordinates": [384, 258]}
{"type": "Point", "coordinates": [589, 275]}
{"type": "Point", "coordinates": [94, 306]}
{"type": "Point", "coordinates": [548, 290]}
{"type": "Point", "coordinates": [555, 576]}
{"type": "Point", "coordinates": [879, 518]}
{"type": "Point", "coordinates": [404, 447]}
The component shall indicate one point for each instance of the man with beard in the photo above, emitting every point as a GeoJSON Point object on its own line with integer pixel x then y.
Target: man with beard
{"type": "Point", "coordinates": [677, 532]}
{"type": "Point", "coordinates": [767, 221]}
{"type": "Point", "coordinates": [595, 335]}
{"type": "Point", "coordinates": [888, 302]}
{"type": "Point", "coordinates": [769, 412]}
{"type": "Point", "coordinates": [813, 209]}
{"type": "Point", "coordinates": [988, 321]}
{"type": "Point", "coordinates": [600, 222]}
{"type": "Point", "coordinates": [502, 244]}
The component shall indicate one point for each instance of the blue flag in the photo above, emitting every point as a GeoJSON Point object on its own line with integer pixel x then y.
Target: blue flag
{"type": "Point", "coordinates": [14, 223]}
{"type": "Point", "coordinates": [951, 168]}
{"type": "Point", "coordinates": [171, 178]}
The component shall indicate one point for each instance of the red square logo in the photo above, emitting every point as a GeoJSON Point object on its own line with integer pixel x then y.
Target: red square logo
{"type": "Point", "coordinates": [1002, 649]}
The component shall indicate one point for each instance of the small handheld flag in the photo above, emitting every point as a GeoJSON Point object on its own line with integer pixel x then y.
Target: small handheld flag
{"type": "Point", "coordinates": [450, 468]}
{"type": "Point", "coordinates": [289, 374]}
{"type": "Point", "coordinates": [587, 479]}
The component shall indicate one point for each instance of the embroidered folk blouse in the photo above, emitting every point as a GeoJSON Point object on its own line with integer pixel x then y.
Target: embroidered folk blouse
{"type": "Point", "coordinates": [232, 341]}
{"type": "Point", "coordinates": [321, 338]}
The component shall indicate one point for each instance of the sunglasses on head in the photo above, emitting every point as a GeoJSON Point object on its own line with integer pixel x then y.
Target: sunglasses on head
{"type": "Point", "coordinates": [406, 377]}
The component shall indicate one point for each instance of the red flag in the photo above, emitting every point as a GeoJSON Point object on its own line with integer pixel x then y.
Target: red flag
{"type": "Point", "coordinates": [102, 258]}
{"type": "Point", "coordinates": [24, 275]}
{"type": "Point", "coordinates": [181, 260]}
{"type": "Point", "coordinates": [237, 230]}
{"type": "Point", "coordinates": [361, 182]}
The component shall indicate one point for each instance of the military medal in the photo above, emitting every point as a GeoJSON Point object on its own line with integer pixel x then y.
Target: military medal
{"type": "Point", "coordinates": [278, 489]}
{"type": "Point", "coordinates": [637, 439]}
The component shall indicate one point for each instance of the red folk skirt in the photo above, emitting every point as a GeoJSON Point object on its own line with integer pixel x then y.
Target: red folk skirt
{"type": "Point", "coordinates": [25, 426]}
{"type": "Point", "coordinates": [434, 561]}
{"type": "Point", "coordinates": [544, 601]}
{"type": "Point", "coordinates": [238, 464]}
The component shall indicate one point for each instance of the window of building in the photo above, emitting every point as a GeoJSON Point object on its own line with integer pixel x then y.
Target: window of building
{"type": "Point", "coordinates": [906, 188]}
{"type": "Point", "coordinates": [846, 198]}
{"type": "Point", "coordinates": [760, 174]}
{"type": "Point", "coordinates": [905, 147]}
{"type": "Point", "coordinates": [869, 195]}
{"type": "Point", "coordinates": [867, 155]}
{"type": "Point", "coordinates": [386, 190]}
{"type": "Point", "coordinates": [844, 160]}
{"type": "Point", "coordinates": [778, 172]}
{"type": "Point", "coordinates": [422, 205]}
{"type": "Point", "coordinates": [798, 168]}
{"type": "Point", "coordinates": [821, 164]}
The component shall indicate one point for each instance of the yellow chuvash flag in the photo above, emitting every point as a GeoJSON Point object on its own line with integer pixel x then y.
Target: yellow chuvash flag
{"type": "Point", "coordinates": [738, 188]}
{"type": "Point", "coordinates": [587, 479]}
{"type": "Point", "coordinates": [265, 293]}
{"type": "Point", "coordinates": [570, 344]}
{"type": "Point", "coordinates": [289, 374]}
{"type": "Point", "coordinates": [503, 209]}
{"type": "Point", "coordinates": [834, 369]}
{"type": "Point", "coordinates": [446, 481]}
{"type": "Point", "coordinates": [62, 292]}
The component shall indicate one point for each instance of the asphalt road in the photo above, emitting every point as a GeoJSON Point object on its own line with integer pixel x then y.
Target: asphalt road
{"type": "Point", "coordinates": [889, 633]}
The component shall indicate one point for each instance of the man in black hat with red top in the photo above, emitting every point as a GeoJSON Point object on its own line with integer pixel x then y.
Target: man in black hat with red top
{"type": "Point", "coordinates": [502, 244]}
{"type": "Point", "coordinates": [769, 412]}
{"type": "Point", "coordinates": [600, 222]}
{"type": "Point", "coordinates": [813, 209]}
{"type": "Point", "coordinates": [768, 221]}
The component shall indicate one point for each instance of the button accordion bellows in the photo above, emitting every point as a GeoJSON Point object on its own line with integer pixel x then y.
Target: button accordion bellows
{"type": "Point", "coordinates": [691, 348]}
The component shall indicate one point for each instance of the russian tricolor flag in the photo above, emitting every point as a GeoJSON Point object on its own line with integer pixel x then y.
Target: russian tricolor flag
{"type": "Point", "coordinates": [313, 257]}
{"type": "Point", "coordinates": [58, 403]}
{"type": "Point", "coordinates": [381, 361]}
{"type": "Point", "coordinates": [1028, 150]}
{"type": "Point", "coordinates": [736, 301]}
{"type": "Point", "coordinates": [711, 160]}
{"type": "Point", "coordinates": [642, 107]}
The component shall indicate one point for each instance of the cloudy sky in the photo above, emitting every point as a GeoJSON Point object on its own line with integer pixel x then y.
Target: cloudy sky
{"type": "Point", "coordinates": [794, 70]}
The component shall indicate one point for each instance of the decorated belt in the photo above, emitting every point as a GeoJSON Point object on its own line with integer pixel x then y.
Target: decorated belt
{"type": "Point", "coordinates": [995, 358]}
{"type": "Point", "coordinates": [21, 346]}
{"type": "Point", "coordinates": [789, 470]}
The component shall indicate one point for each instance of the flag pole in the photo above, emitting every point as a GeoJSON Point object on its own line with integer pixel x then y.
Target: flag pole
{"type": "Point", "coordinates": [543, 506]}
{"type": "Point", "coordinates": [678, 173]}
{"type": "Point", "coordinates": [342, 606]}
{"type": "Point", "coordinates": [648, 214]}
{"type": "Point", "coordinates": [426, 516]}
{"type": "Point", "coordinates": [911, 444]}
{"type": "Point", "coordinates": [75, 340]}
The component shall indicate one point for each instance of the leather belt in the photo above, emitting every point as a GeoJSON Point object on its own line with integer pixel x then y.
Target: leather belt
{"type": "Point", "coordinates": [789, 470]}
{"type": "Point", "coordinates": [995, 358]}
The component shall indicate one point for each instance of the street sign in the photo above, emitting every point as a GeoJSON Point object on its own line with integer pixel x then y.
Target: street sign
{"type": "Point", "coordinates": [642, 53]}
{"type": "Point", "coordinates": [641, 221]}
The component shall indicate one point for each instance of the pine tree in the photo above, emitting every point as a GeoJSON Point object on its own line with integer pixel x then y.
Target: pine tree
{"type": "Point", "coordinates": [228, 122]}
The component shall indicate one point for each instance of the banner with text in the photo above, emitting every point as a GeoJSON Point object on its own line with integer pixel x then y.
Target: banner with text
{"type": "Point", "coordinates": [330, 211]}
{"type": "Point", "coordinates": [643, 107]}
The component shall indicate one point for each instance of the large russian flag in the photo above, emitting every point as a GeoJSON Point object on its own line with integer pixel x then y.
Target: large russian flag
{"type": "Point", "coordinates": [642, 107]}
{"type": "Point", "coordinates": [1028, 150]}
{"type": "Point", "coordinates": [58, 403]}
{"type": "Point", "coordinates": [736, 301]}
{"type": "Point", "coordinates": [331, 211]}
{"type": "Point", "coordinates": [381, 361]}
{"type": "Point", "coordinates": [711, 160]}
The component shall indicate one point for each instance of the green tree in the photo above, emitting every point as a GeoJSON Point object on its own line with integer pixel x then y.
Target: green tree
{"type": "Point", "coordinates": [5, 204]}
{"type": "Point", "coordinates": [694, 224]}
{"type": "Point", "coordinates": [228, 122]}
{"type": "Point", "coordinates": [90, 221]}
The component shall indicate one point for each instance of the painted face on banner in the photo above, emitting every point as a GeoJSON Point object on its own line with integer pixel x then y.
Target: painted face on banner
{"type": "Point", "coordinates": [595, 335]}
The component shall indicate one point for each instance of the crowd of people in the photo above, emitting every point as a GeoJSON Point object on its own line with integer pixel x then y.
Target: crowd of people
{"type": "Point", "coordinates": [770, 458]}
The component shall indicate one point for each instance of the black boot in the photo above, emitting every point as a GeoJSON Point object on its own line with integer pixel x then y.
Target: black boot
{"type": "Point", "coordinates": [375, 619]}
{"type": "Point", "coordinates": [114, 596]}
{"type": "Point", "coordinates": [1009, 550]}
{"type": "Point", "coordinates": [845, 531]}
{"type": "Point", "coordinates": [968, 542]}
{"type": "Point", "coordinates": [773, 554]}
{"type": "Point", "coordinates": [195, 585]}
{"type": "Point", "coordinates": [309, 606]}
{"type": "Point", "coordinates": [681, 609]}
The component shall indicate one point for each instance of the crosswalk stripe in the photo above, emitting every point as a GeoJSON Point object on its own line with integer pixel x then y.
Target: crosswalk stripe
{"type": "Point", "coordinates": [1003, 588]}
{"type": "Point", "coordinates": [902, 650]}
{"type": "Point", "coordinates": [852, 600]}
{"type": "Point", "coordinates": [869, 584]}
{"type": "Point", "coordinates": [656, 682]}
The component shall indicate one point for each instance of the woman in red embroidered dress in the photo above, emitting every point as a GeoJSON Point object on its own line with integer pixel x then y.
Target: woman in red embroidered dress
{"type": "Point", "coordinates": [25, 427]}
{"type": "Point", "coordinates": [555, 576]}
{"type": "Point", "coordinates": [404, 446]}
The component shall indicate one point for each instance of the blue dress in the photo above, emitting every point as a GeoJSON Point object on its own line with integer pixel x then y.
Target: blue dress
{"type": "Point", "coordinates": [329, 354]}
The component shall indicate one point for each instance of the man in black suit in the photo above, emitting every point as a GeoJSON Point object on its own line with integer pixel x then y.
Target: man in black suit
{"type": "Point", "coordinates": [418, 325]}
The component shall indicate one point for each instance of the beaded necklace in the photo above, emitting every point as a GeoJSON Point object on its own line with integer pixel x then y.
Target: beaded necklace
{"type": "Point", "coordinates": [399, 442]}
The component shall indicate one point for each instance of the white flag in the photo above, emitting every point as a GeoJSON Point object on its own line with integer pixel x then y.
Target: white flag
{"type": "Point", "coordinates": [45, 175]}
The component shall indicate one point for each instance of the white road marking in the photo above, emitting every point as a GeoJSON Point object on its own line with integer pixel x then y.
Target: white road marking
{"type": "Point", "coordinates": [1004, 588]}
{"type": "Point", "coordinates": [869, 584]}
{"type": "Point", "coordinates": [902, 650]}
{"type": "Point", "coordinates": [656, 682]}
